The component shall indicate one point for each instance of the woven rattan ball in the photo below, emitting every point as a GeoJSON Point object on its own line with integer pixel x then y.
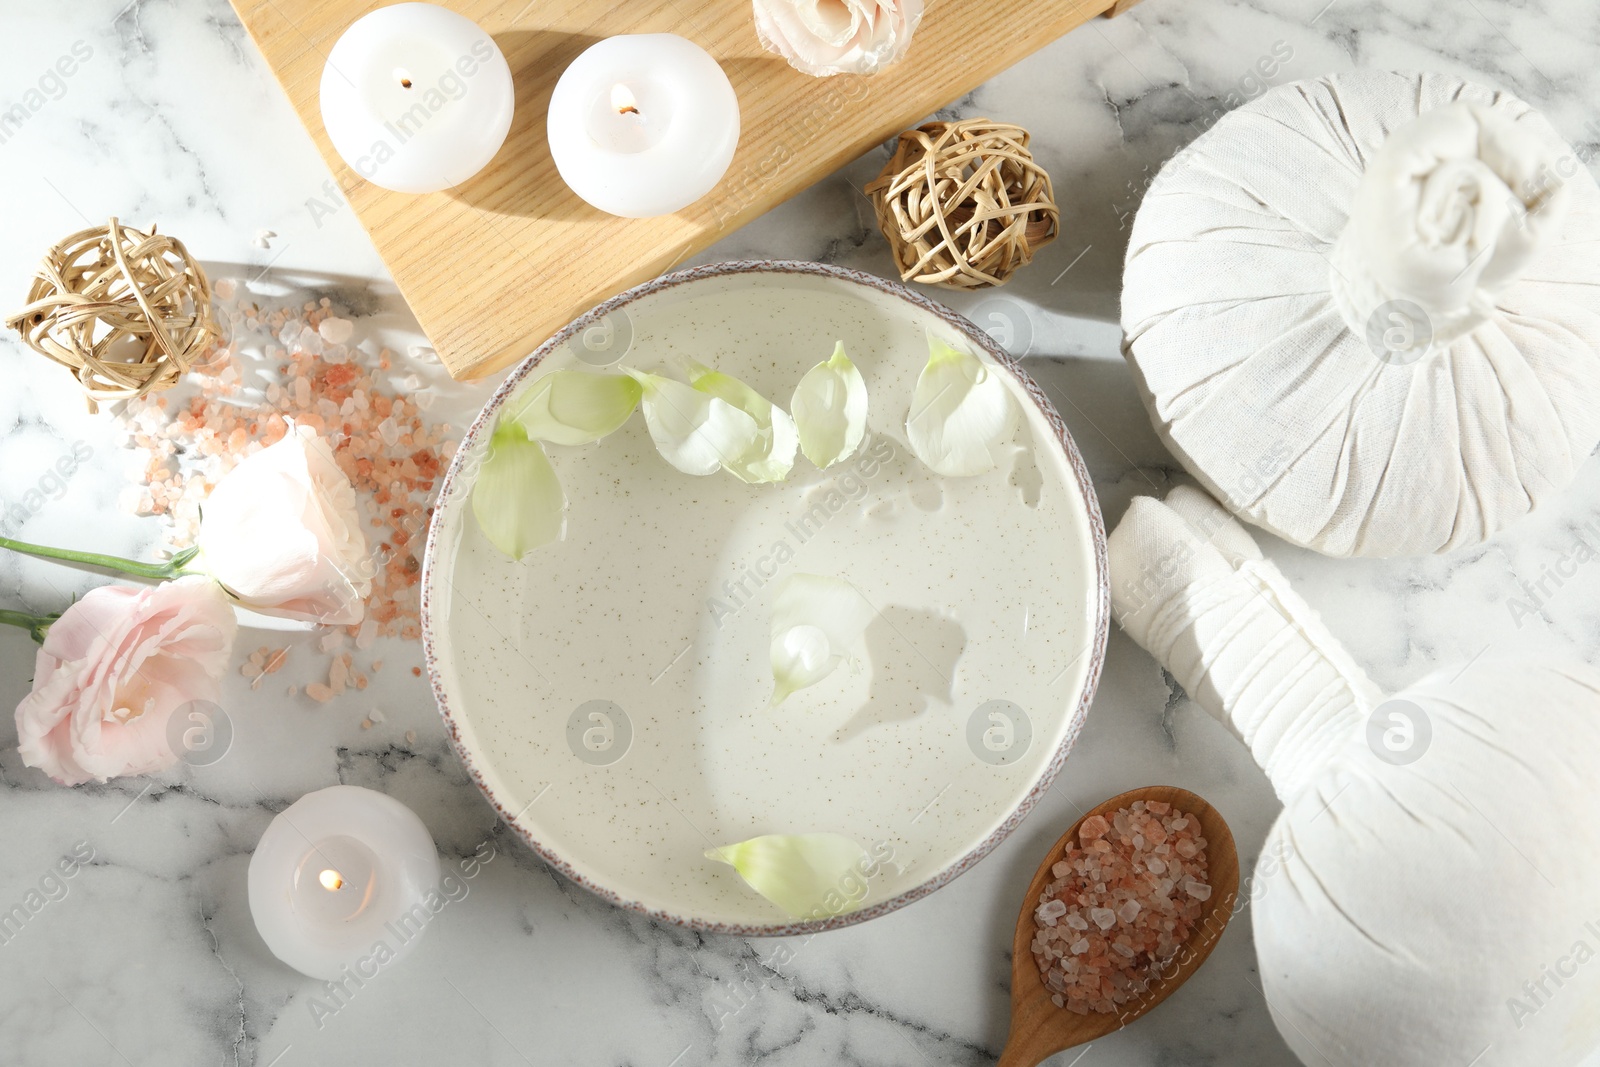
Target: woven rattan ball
{"type": "Point", "coordinates": [964, 204]}
{"type": "Point", "coordinates": [127, 312]}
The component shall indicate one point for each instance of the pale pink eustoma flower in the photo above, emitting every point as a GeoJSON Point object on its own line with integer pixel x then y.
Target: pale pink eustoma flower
{"type": "Point", "coordinates": [113, 670]}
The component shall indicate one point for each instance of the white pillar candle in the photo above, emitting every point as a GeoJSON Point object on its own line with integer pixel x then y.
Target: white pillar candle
{"type": "Point", "coordinates": [416, 98]}
{"type": "Point", "coordinates": [643, 124]}
{"type": "Point", "coordinates": [339, 882]}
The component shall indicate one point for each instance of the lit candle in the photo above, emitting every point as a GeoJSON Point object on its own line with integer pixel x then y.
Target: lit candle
{"type": "Point", "coordinates": [643, 124]}
{"type": "Point", "coordinates": [416, 98]}
{"type": "Point", "coordinates": [339, 882]}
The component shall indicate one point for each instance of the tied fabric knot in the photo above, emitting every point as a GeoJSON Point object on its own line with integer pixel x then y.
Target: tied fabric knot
{"type": "Point", "coordinates": [1449, 212]}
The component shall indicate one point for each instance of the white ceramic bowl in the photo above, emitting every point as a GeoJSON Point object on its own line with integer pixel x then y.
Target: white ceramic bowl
{"type": "Point", "coordinates": [652, 613]}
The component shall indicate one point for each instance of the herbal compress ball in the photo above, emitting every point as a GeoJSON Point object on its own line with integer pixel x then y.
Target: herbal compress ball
{"type": "Point", "coordinates": [1427, 897]}
{"type": "Point", "coordinates": [1364, 311]}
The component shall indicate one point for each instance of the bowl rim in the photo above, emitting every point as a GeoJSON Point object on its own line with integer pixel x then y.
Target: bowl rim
{"type": "Point", "coordinates": [956, 321]}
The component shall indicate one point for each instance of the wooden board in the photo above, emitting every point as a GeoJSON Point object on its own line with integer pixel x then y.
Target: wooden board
{"type": "Point", "coordinates": [496, 265]}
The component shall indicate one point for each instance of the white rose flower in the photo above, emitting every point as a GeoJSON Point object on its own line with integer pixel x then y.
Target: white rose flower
{"type": "Point", "coordinates": [823, 37]}
{"type": "Point", "coordinates": [281, 533]}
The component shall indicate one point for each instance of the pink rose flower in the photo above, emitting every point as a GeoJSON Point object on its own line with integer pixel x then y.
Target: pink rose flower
{"type": "Point", "coordinates": [282, 534]}
{"type": "Point", "coordinates": [114, 668]}
{"type": "Point", "coordinates": [822, 37]}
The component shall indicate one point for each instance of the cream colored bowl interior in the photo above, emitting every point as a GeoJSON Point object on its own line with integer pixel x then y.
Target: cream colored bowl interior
{"type": "Point", "coordinates": [657, 601]}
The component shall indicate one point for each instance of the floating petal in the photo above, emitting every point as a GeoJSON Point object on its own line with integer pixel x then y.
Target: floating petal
{"type": "Point", "coordinates": [830, 409]}
{"type": "Point", "coordinates": [815, 621]}
{"type": "Point", "coordinates": [574, 407]}
{"type": "Point", "coordinates": [961, 413]}
{"type": "Point", "coordinates": [517, 499]}
{"type": "Point", "coordinates": [694, 431]}
{"type": "Point", "coordinates": [809, 876]}
{"type": "Point", "coordinates": [770, 457]}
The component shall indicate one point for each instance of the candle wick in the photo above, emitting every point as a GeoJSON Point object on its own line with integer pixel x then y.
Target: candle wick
{"type": "Point", "coordinates": [628, 110]}
{"type": "Point", "coordinates": [405, 83]}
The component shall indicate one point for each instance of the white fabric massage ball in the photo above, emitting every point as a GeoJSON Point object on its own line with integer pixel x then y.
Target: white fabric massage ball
{"type": "Point", "coordinates": [1364, 311]}
{"type": "Point", "coordinates": [1428, 895]}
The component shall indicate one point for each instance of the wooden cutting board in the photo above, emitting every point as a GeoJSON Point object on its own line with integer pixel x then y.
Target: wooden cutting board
{"type": "Point", "coordinates": [496, 265]}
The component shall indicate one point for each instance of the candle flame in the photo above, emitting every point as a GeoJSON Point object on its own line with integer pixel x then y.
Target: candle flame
{"type": "Point", "coordinates": [622, 100]}
{"type": "Point", "coordinates": [330, 880]}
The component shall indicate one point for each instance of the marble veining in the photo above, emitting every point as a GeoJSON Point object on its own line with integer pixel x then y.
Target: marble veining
{"type": "Point", "coordinates": [148, 956]}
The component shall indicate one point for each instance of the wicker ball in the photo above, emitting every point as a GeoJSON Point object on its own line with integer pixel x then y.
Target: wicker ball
{"type": "Point", "coordinates": [127, 312]}
{"type": "Point", "coordinates": [964, 204]}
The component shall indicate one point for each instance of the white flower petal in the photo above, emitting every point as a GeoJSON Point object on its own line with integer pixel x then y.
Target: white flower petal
{"type": "Point", "coordinates": [830, 409]}
{"type": "Point", "coordinates": [574, 407]}
{"type": "Point", "coordinates": [815, 622]}
{"type": "Point", "coordinates": [961, 413]}
{"type": "Point", "coordinates": [517, 499]}
{"type": "Point", "coordinates": [694, 431]}
{"type": "Point", "coordinates": [809, 876]}
{"type": "Point", "coordinates": [770, 457]}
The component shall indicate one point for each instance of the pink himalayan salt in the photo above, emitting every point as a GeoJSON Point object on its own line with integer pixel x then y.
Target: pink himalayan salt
{"type": "Point", "coordinates": [1108, 922]}
{"type": "Point", "coordinates": [186, 440]}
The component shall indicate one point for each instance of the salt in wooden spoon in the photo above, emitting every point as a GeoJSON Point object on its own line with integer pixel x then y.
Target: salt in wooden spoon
{"type": "Point", "coordinates": [1039, 1029]}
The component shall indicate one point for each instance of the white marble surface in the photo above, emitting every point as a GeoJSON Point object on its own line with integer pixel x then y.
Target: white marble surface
{"type": "Point", "coordinates": [150, 957]}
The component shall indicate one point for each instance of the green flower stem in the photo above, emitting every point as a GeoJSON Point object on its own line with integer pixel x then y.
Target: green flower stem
{"type": "Point", "coordinates": [36, 625]}
{"type": "Point", "coordinates": [172, 568]}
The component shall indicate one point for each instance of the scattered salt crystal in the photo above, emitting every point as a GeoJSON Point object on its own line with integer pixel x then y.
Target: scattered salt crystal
{"type": "Point", "coordinates": [336, 331]}
{"type": "Point", "coordinates": [1104, 918]}
{"type": "Point", "coordinates": [319, 692]}
{"type": "Point", "coordinates": [1123, 950]}
{"type": "Point", "coordinates": [1160, 807]}
{"type": "Point", "coordinates": [1129, 911]}
{"type": "Point", "coordinates": [262, 239]}
{"type": "Point", "coordinates": [1080, 946]}
{"type": "Point", "coordinates": [1049, 912]}
{"type": "Point", "coordinates": [376, 715]}
{"type": "Point", "coordinates": [1197, 890]}
{"type": "Point", "coordinates": [411, 737]}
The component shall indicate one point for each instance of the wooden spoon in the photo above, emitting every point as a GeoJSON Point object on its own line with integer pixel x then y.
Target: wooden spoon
{"type": "Point", "coordinates": [1039, 1029]}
